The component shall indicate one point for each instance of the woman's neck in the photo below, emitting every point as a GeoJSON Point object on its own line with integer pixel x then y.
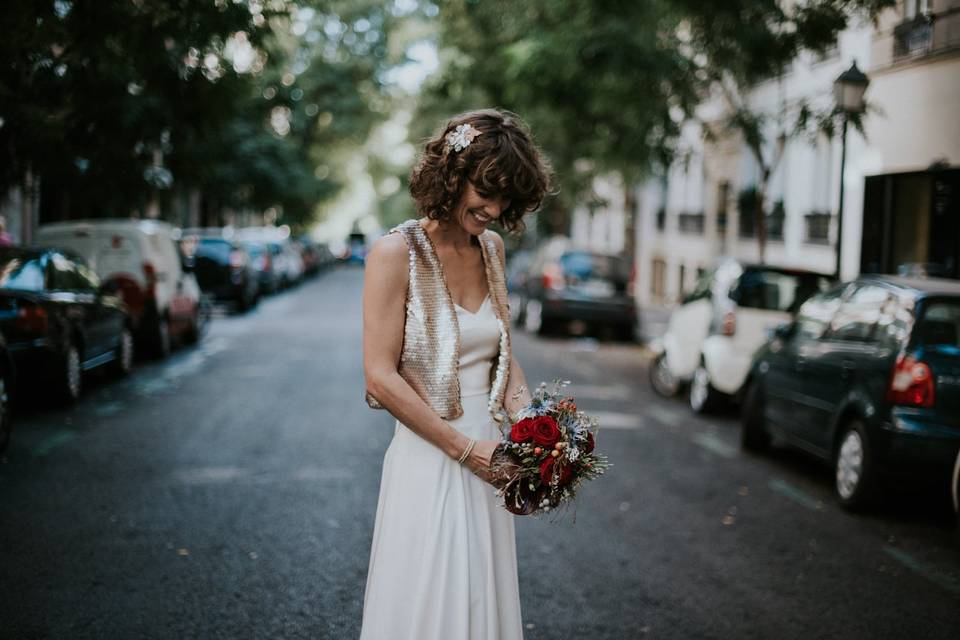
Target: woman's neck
{"type": "Point", "coordinates": [449, 234]}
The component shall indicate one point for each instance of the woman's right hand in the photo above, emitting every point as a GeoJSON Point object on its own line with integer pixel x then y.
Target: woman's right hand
{"type": "Point", "coordinates": [479, 462]}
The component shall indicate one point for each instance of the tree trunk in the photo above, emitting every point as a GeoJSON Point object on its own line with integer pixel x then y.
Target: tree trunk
{"type": "Point", "coordinates": [630, 221]}
{"type": "Point", "coordinates": [759, 212]}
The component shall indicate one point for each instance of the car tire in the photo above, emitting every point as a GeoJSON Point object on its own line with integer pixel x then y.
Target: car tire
{"type": "Point", "coordinates": [123, 361]}
{"type": "Point", "coordinates": [6, 424]}
{"type": "Point", "coordinates": [855, 482]}
{"type": "Point", "coordinates": [661, 380]}
{"type": "Point", "coordinates": [70, 379]}
{"type": "Point", "coordinates": [161, 338]}
{"type": "Point", "coordinates": [754, 435]}
{"type": "Point", "coordinates": [703, 398]}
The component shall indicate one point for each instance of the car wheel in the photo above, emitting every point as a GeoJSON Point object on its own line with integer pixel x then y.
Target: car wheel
{"type": "Point", "coordinates": [853, 466]}
{"type": "Point", "coordinates": [161, 338]}
{"type": "Point", "coordinates": [71, 375]}
{"type": "Point", "coordinates": [753, 426]}
{"type": "Point", "coordinates": [661, 379]}
{"type": "Point", "coordinates": [123, 361]}
{"type": "Point", "coordinates": [6, 425]}
{"type": "Point", "coordinates": [703, 398]}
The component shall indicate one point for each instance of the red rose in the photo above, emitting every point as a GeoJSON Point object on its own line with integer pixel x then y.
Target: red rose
{"type": "Point", "coordinates": [546, 472]}
{"type": "Point", "coordinates": [522, 431]}
{"type": "Point", "coordinates": [545, 431]}
{"type": "Point", "coordinates": [588, 446]}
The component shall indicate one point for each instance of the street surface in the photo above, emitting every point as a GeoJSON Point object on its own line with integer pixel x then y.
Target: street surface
{"type": "Point", "coordinates": [230, 492]}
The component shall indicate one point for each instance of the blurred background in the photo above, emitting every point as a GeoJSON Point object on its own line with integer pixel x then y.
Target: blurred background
{"type": "Point", "coordinates": [750, 271]}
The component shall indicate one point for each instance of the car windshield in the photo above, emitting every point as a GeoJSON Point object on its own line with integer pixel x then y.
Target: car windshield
{"type": "Point", "coordinates": [21, 272]}
{"type": "Point", "coordinates": [583, 265]}
{"type": "Point", "coordinates": [214, 248]}
{"type": "Point", "coordinates": [774, 290]}
{"type": "Point", "coordinates": [940, 325]}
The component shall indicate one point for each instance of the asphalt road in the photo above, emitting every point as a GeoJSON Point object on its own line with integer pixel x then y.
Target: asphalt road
{"type": "Point", "coordinates": [230, 491]}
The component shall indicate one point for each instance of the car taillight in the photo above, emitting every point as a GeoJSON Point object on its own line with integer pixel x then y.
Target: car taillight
{"type": "Point", "coordinates": [911, 383]}
{"type": "Point", "coordinates": [553, 277]}
{"type": "Point", "coordinates": [150, 274]}
{"type": "Point", "coordinates": [729, 325]}
{"type": "Point", "coordinates": [32, 318]}
{"type": "Point", "coordinates": [236, 259]}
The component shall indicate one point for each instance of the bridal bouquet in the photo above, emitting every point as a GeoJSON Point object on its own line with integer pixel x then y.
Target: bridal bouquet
{"type": "Point", "coordinates": [547, 453]}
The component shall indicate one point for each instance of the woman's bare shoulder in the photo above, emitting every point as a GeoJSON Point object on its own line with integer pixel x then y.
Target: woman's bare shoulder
{"type": "Point", "coordinates": [388, 249]}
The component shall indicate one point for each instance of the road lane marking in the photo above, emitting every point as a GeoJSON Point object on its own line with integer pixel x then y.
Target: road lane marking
{"type": "Point", "coordinates": [48, 444]}
{"type": "Point", "coordinates": [599, 392]}
{"type": "Point", "coordinates": [947, 582]}
{"type": "Point", "coordinates": [666, 416]}
{"type": "Point", "coordinates": [613, 420]}
{"type": "Point", "coordinates": [715, 445]}
{"type": "Point", "coordinates": [800, 497]}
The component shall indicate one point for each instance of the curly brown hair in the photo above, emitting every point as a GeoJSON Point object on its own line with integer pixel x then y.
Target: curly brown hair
{"type": "Point", "coordinates": [502, 161]}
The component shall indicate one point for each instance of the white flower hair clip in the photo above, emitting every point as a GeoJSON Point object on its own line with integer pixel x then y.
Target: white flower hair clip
{"type": "Point", "coordinates": [461, 137]}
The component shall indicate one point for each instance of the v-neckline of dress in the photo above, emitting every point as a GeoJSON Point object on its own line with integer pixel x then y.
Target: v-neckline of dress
{"type": "Point", "coordinates": [443, 276]}
{"type": "Point", "coordinates": [479, 309]}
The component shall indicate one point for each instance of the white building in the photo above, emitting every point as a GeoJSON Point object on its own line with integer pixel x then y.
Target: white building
{"type": "Point", "coordinates": [901, 183]}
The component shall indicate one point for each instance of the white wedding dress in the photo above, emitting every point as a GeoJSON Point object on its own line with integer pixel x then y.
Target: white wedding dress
{"type": "Point", "coordinates": [443, 565]}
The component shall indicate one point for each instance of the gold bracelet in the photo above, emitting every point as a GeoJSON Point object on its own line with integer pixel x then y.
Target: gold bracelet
{"type": "Point", "coordinates": [466, 452]}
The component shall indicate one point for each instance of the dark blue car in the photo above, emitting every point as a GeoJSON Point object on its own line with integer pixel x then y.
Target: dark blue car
{"type": "Point", "coordinates": [866, 377]}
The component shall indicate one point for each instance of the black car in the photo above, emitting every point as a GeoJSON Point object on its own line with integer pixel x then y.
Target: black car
{"type": "Point", "coordinates": [867, 377]}
{"type": "Point", "coordinates": [58, 321]}
{"type": "Point", "coordinates": [223, 268]}
{"type": "Point", "coordinates": [581, 289]}
{"type": "Point", "coordinates": [7, 381]}
{"type": "Point", "coordinates": [268, 277]}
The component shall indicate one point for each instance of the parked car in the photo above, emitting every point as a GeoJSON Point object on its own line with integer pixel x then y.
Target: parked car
{"type": "Point", "coordinates": [712, 336]}
{"type": "Point", "coordinates": [567, 287]}
{"type": "Point", "coordinates": [222, 266]}
{"type": "Point", "coordinates": [140, 260]}
{"type": "Point", "coordinates": [268, 277]}
{"type": "Point", "coordinates": [867, 377]}
{"type": "Point", "coordinates": [59, 321]}
{"type": "Point", "coordinates": [286, 259]}
{"type": "Point", "coordinates": [7, 383]}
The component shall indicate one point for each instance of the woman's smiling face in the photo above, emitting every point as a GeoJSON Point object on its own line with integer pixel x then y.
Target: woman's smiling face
{"type": "Point", "coordinates": [476, 211]}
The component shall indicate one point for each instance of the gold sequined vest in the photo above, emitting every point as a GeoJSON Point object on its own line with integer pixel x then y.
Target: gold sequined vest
{"type": "Point", "coordinates": [430, 357]}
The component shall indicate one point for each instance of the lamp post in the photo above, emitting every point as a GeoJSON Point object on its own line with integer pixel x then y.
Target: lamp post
{"type": "Point", "coordinates": [848, 90]}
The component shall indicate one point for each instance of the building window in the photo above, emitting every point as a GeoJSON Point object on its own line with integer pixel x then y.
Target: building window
{"type": "Point", "coordinates": [690, 223]}
{"type": "Point", "coordinates": [658, 272]}
{"type": "Point", "coordinates": [683, 277]}
{"type": "Point", "coordinates": [817, 227]}
{"type": "Point", "coordinates": [723, 196]}
{"type": "Point", "coordinates": [661, 218]}
{"type": "Point", "coordinates": [775, 221]}
{"type": "Point", "coordinates": [746, 211]}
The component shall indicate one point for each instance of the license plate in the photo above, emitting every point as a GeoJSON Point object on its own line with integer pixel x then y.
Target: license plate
{"type": "Point", "coordinates": [597, 288]}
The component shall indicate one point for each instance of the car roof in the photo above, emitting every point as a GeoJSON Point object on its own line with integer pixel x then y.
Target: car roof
{"type": "Point", "coordinates": [921, 286]}
{"type": "Point", "coordinates": [109, 224]}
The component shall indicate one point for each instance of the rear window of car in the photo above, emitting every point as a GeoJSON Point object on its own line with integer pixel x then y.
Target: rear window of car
{"type": "Point", "coordinates": [21, 272]}
{"type": "Point", "coordinates": [584, 265]}
{"type": "Point", "coordinates": [940, 324]}
{"type": "Point", "coordinates": [253, 248]}
{"type": "Point", "coordinates": [773, 290]}
{"type": "Point", "coordinates": [214, 248]}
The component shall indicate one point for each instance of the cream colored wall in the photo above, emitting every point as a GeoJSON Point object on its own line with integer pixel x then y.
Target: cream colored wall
{"type": "Point", "coordinates": [920, 123]}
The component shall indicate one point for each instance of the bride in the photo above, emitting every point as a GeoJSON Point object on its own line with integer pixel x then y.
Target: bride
{"type": "Point", "coordinates": [436, 355]}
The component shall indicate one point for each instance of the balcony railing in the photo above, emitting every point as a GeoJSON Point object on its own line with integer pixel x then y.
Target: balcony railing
{"type": "Point", "coordinates": [690, 223]}
{"type": "Point", "coordinates": [913, 38]}
{"type": "Point", "coordinates": [817, 227]}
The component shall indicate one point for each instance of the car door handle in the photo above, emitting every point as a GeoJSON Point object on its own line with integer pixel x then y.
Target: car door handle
{"type": "Point", "coordinates": [799, 363]}
{"type": "Point", "coordinates": [847, 368]}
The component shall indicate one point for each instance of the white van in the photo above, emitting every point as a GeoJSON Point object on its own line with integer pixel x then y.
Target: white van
{"type": "Point", "coordinates": [712, 336]}
{"type": "Point", "coordinates": [141, 260]}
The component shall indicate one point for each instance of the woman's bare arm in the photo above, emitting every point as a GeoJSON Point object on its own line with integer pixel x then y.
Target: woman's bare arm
{"type": "Point", "coordinates": [516, 378]}
{"type": "Point", "coordinates": [384, 298]}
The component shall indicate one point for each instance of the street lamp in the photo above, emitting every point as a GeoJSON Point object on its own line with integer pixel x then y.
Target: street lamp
{"type": "Point", "coordinates": [848, 90]}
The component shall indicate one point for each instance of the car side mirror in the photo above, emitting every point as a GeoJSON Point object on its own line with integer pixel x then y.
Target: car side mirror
{"type": "Point", "coordinates": [784, 331]}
